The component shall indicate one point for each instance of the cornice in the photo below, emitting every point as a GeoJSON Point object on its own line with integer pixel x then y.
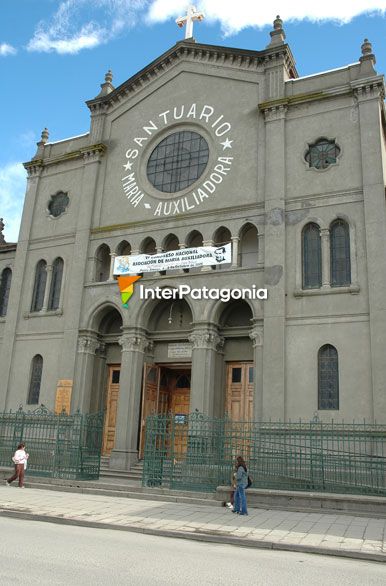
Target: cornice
{"type": "Point", "coordinates": [36, 165]}
{"type": "Point", "coordinates": [365, 85]}
{"type": "Point", "coordinates": [243, 59]}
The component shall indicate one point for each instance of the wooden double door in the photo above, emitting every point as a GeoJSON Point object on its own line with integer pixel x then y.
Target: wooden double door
{"type": "Point", "coordinates": [239, 391]}
{"type": "Point", "coordinates": [166, 389]}
{"type": "Point", "coordinates": [111, 407]}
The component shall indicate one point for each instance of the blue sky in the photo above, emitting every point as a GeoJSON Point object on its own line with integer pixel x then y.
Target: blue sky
{"type": "Point", "coordinates": [54, 54]}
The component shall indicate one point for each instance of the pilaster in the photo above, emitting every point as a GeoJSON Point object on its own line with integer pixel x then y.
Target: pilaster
{"type": "Point", "coordinates": [256, 336]}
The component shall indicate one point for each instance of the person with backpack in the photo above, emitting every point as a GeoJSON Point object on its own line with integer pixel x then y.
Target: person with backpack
{"type": "Point", "coordinates": [240, 504]}
{"type": "Point", "coordinates": [20, 458]}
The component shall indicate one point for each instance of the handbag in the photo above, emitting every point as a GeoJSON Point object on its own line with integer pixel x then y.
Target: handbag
{"type": "Point", "coordinates": [249, 483]}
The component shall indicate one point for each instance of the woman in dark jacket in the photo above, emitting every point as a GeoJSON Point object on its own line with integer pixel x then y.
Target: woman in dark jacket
{"type": "Point", "coordinates": [240, 505]}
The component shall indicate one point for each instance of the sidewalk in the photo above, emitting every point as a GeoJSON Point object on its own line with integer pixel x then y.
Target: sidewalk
{"type": "Point", "coordinates": [331, 534]}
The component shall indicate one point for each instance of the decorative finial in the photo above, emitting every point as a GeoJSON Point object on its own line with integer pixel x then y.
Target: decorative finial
{"type": "Point", "coordinates": [45, 135]}
{"type": "Point", "coordinates": [2, 239]}
{"type": "Point", "coordinates": [191, 16]}
{"type": "Point", "coordinates": [367, 59]}
{"type": "Point", "coordinates": [278, 34]}
{"type": "Point", "coordinates": [278, 23]}
{"type": "Point", "coordinates": [107, 87]}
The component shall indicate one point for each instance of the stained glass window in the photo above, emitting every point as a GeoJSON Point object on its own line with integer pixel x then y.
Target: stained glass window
{"type": "Point", "coordinates": [5, 286]}
{"type": "Point", "coordinates": [322, 153]}
{"type": "Point", "coordinates": [178, 161]}
{"type": "Point", "coordinates": [312, 257]}
{"type": "Point", "coordinates": [340, 254]}
{"type": "Point", "coordinates": [328, 378]}
{"type": "Point", "coordinates": [35, 381]}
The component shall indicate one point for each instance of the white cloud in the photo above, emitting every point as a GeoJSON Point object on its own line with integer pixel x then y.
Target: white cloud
{"type": "Point", "coordinates": [235, 16]}
{"type": "Point", "coordinates": [6, 49]}
{"type": "Point", "coordinates": [12, 191]}
{"type": "Point", "coordinates": [84, 24]}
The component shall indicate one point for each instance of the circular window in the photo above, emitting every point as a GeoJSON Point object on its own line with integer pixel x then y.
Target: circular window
{"type": "Point", "coordinates": [58, 204]}
{"type": "Point", "coordinates": [178, 161]}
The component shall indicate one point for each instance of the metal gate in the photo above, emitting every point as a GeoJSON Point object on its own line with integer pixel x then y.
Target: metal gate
{"type": "Point", "coordinates": [329, 457]}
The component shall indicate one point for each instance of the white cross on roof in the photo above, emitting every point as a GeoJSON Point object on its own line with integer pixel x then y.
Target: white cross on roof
{"type": "Point", "coordinates": [191, 16]}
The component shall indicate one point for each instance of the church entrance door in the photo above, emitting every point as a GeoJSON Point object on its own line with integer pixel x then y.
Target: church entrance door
{"type": "Point", "coordinates": [112, 394]}
{"type": "Point", "coordinates": [166, 389]}
{"type": "Point", "coordinates": [239, 391]}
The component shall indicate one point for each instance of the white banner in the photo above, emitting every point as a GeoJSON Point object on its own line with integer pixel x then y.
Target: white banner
{"type": "Point", "coordinates": [184, 258]}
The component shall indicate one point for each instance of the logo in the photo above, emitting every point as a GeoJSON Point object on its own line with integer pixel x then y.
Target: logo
{"type": "Point", "coordinates": [126, 287]}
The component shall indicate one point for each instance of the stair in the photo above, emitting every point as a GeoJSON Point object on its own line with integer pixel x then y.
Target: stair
{"type": "Point", "coordinates": [106, 473]}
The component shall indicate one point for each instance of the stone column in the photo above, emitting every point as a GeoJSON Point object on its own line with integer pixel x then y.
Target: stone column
{"type": "Point", "coordinates": [112, 259]}
{"type": "Point", "coordinates": [206, 342]}
{"type": "Point", "coordinates": [256, 336]}
{"type": "Point", "coordinates": [207, 268]}
{"type": "Point", "coordinates": [125, 453]}
{"type": "Point", "coordinates": [274, 264]}
{"type": "Point", "coordinates": [87, 346]}
{"type": "Point", "coordinates": [235, 251]}
{"type": "Point", "coordinates": [370, 96]}
{"type": "Point", "coordinates": [325, 246]}
{"type": "Point", "coordinates": [34, 169]}
{"type": "Point", "coordinates": [77, 273]}
{"type": "Point", "coordinates": [48, 287]}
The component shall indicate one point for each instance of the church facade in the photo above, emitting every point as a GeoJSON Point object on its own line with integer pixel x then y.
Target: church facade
{"type": "Point", "coordinates": [206, 146]}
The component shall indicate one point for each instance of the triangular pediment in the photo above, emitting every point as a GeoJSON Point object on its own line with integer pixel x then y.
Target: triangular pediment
{"type": "Point", "coordinates": [189, 50]}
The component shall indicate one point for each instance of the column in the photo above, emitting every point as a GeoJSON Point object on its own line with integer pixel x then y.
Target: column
{"type": "Point", "coordinates": [7, 358]}
{"type": "Point", "coordinates": [274, 263]}
{"type": "Point", "coordinates": [207, 268]}
{"type": "Point", "coordinates": [112, 259]}
{"type": "Point", "coordinates": [48, 287]}
{"type": "Point", "coordinates": [125, 453]}
{"type": "Point", "coordinates": [235, 251]}
{"type": "Point", "coordinates": [206, 344]}
{"type": "Point", "coordinates": [78, 269]}
{"type": "Point", "coordinates": [325, 246]}
{"type": "Point", "coordinates": [370, 104]}
{"type": "Point", "coordinates": [83, 381]}
{"type": "Point", "coordinates": [256, 336]}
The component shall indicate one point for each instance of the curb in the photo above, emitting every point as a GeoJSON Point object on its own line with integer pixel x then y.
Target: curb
{"type": "Point", "coordinates": [209, 537]}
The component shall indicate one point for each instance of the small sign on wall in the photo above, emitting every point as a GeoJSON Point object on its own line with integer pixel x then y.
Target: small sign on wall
{"type": "Point", "coordinates": [179, 350]}
{"type": "Point", "coordinates": [63, 396]}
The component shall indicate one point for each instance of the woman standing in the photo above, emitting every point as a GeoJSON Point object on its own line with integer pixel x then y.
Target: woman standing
{"type": "Point", "coordinates": [240, 505]}
{"type": "Point", "coordinates": [20, 458]}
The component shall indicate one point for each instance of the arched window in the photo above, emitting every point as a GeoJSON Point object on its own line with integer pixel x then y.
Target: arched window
{"type": "Point", "coordinates": [56, 284]}
{"type": "Point", "coordinates": [170, 243]}
{"type": "Point", "coordinates": [39, 286]}
{"type": "Point", "coordinates": [35, 380]}
{"type": "Point", "coordinates": [340, 254]}
{"type": "Point", "coordinates": [328, 378]}
{"type": "Point", "coordinates": [123, 248]}
{"type": "Point", "coordinates": [248, 246]}
{"type": "Point", "coordinates": [311, 257]}
{"type": "Point", "coordinates": [5, 286]}
{"type": "Point", "coordinates": [103, 262]}
{"type": "Point", "coordinates": [148, 246]}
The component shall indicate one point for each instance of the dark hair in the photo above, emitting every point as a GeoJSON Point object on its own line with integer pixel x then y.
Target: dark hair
{"type": "Point", "coordinates": [240, 462]}
{"type": "Point", "coordinates": [21, 446]}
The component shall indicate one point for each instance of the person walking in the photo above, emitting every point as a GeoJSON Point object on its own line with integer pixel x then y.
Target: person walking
{"type": "Point", "coordinates": [20, 458]}
{"type": "Point", "coordinates": [240, 504]}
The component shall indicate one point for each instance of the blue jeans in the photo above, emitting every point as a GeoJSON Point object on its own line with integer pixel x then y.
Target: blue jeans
{"type": "Point", "coordinates": [240, 505]}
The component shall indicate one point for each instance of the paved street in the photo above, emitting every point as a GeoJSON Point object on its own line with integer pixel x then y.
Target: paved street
{"type": "Point", "coordinates": [276, 529]}
{"type": "Point", "coordinates": [43, 553]}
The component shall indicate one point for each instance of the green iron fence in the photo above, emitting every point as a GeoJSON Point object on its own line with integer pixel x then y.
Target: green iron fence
{"type": "Point", "coordinates": [196, 452]}
{"type": "Point", "coordinates": [60, 446]}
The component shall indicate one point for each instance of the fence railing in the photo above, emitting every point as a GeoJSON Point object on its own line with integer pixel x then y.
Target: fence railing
{"type": "Point", "coordinates": [196, 452]}
{"type": "Point", "coordinates": [60, 446]}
